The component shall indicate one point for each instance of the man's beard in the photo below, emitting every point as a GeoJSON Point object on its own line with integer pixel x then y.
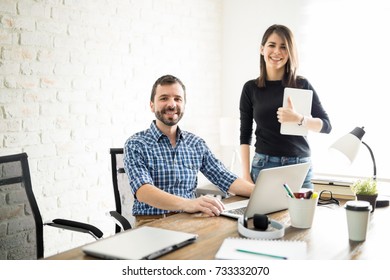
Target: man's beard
{"type": "Point", "coordinates": [167, 121]}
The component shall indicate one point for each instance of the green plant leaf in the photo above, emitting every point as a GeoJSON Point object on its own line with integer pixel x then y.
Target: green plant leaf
{"type": "Point", "coordinates": [365, 186]}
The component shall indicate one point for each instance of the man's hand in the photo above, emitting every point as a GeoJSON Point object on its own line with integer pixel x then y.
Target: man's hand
{"type": "Point", "coordinates": [208, 205]}
{"type": "Point", "coordinates": [155, 197]}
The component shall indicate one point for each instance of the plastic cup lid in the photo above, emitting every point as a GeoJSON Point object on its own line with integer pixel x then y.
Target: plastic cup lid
{"type": "Point", "coordinates": [358, 205]}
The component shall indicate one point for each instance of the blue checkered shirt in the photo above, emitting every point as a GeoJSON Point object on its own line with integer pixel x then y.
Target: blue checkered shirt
{"type": "Point", "coordinates": [149, 158]}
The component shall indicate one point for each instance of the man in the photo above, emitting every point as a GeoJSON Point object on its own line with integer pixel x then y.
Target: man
{"type": "Point", "coordinates": [163, 162]}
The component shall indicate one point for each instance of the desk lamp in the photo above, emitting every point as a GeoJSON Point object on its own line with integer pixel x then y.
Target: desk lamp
{"type": "Point", "coordinates": [349, 145]}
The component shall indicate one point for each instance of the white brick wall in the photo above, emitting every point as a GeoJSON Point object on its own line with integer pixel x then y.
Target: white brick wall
{"type": "Point", "coordinates": [75, 80]}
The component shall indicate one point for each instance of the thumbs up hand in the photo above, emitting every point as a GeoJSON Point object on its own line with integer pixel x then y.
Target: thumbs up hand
{"type": "Point", "coordinates": [288, 114]}
{"type": "Point", "coordinates": [290, 104]}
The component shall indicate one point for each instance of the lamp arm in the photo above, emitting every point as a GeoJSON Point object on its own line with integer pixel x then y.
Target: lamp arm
{"type": "Point", "coordinates": [373, 158]}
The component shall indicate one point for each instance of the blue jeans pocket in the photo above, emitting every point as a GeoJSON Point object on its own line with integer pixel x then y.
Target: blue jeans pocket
{"type": "Point", "coordinates": [261, 161]}
{"type": "Point", "coordinates": [258, 161]}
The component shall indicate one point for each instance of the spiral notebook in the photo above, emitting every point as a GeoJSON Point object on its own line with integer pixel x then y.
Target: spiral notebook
{"type": "Point", "coordinates": [253, 249]}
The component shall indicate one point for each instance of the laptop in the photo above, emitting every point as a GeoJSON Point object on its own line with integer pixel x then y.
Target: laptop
{"type": "Point", "coordinates": [269, 194]}
{"type": "Point", "coordinates": [143, 243]}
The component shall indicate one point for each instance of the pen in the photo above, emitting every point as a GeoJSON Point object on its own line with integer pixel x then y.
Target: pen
{"type": "Point", "coordinates": [288, 190]}
{"type": "Point", "coordinates": [261, 254]}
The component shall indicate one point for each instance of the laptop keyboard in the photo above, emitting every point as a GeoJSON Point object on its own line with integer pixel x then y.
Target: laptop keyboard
{"type": "Point", "coordinates": [238, 211]}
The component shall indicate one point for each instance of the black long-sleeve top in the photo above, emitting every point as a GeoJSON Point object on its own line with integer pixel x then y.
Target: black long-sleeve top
{"type": "Point", "coordinates": [261, 105]}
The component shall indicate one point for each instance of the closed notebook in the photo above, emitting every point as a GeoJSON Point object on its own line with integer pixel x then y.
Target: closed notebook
{"type": "Point", "coordinates": [252, 249]}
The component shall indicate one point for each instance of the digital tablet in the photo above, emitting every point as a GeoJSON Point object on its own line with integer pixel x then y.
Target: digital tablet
{"type": "Point", "coordinates": [302, 100]}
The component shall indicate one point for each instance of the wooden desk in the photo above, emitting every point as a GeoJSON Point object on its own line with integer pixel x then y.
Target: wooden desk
{"type": "Point", "coordinates": [327, 239]}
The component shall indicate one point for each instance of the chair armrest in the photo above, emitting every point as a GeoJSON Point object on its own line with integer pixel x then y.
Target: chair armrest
{"type": "Point", "coordinates": [120, 220]}
{"type": "Point", "coordinates": [76, 226]}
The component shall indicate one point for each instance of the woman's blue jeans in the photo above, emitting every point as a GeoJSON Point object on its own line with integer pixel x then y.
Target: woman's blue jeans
{"type": "Point", "coordinates": [262, 161]}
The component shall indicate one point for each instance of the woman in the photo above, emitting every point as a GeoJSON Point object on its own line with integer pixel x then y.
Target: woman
{"type": "Point", "coordinates": [261, 101]}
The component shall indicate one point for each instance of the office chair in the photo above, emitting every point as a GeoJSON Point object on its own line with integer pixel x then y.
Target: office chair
{"type": "Point", "coordinates": [21, 225]}
{"type": "Point", "coordinates": [122, 192]}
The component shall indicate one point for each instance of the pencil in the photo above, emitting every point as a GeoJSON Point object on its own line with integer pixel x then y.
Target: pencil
{"type": "Point", "coordinates": [261, 254]}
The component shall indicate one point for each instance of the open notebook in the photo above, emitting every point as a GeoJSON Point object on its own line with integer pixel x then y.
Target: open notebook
{"type": "Point", "coordinates": [252, 249]}
{"type": "Point", "coordinates": [139, 244]}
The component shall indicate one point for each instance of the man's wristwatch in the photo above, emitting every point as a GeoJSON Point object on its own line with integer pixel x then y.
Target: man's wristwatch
{"type": "Point", "coordinates": [303, 121]}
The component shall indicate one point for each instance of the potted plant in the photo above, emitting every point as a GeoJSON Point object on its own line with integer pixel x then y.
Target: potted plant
{"type": "Point", "coordinates": [366, 189]}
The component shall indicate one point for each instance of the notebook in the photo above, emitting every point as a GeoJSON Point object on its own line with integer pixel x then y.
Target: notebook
{"type": "Point", "coordinates": [302, 100]}
{"type": "Point", "coordinates": [332, 181]}
{"type": "Point", "coordinates": [253, 249]}
{"type": "Point", "coordinates": [139, 244]}
{"type": "Point", "coordinates": [269, 194]}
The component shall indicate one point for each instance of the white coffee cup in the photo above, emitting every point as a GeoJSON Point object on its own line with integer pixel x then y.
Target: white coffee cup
{"type": "Point", "coordinates": [302, 211]}
{"type": "Point", "coordinates": [358, 217]}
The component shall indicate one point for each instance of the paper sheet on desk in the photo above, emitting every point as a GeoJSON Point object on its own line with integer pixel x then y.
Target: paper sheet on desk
{"type": "Point", "coordinates": [291, 250]}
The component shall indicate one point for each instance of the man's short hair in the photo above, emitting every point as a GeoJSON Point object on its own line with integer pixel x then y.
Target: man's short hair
{"type": "Point", "coordinates": [166, 80]}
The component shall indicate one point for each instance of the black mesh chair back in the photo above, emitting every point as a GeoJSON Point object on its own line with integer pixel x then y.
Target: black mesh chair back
{"type": "Point", "coordinates": [123, 196]}
{"type": "Point", "coordinates": [21, 226]}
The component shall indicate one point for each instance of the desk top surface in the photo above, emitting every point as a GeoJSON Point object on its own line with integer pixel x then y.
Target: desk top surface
{"type": "Point", "coordinates": [326, 239]}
